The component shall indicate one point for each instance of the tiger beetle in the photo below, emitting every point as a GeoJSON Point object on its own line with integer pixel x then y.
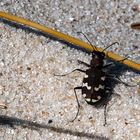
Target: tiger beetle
{"type": "Point", "coordinates": [94, 88]}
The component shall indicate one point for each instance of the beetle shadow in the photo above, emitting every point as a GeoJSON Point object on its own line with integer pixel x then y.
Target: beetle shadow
{"type": "Point", "coordinates": [116, 70]}
{"type": "Point", "coordinates": [14, 122]}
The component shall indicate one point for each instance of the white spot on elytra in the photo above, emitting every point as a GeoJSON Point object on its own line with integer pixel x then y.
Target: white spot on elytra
{"type": "Point", "coordinates": [87, 99]}
{"type": "Point", "coordinates": [86, 76]}
{"type": "Point", "coordinates": [101, 87]}
{"type": "Point", "coordinates": [86, 85]}
{"type": "Point", "coordinates": [103, 78]}
{"type": "Point", "coordinates": [99, 97]}
{"type": "Point", "coordinates": [93, 100]}
{"type": "Point", "coordinates": [84, 95]}
{"type": "Point", "coordinates": [96, 88]}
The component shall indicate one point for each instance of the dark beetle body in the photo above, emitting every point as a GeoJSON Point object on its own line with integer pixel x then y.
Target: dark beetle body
{"type": "Point", "coordinates": [94, 88]}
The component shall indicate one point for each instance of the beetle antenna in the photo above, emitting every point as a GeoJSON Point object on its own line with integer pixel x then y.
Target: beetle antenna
{"type": "Point", "coordinates": [110, 46]}
{"type": "Point", "coordinates": [87, 40]}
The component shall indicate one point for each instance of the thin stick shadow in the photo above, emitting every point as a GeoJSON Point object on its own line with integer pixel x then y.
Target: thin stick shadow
{"type": "Point", "coordinates": [37, 32]}
{"type": "Point", "coordinates": [13, 122]}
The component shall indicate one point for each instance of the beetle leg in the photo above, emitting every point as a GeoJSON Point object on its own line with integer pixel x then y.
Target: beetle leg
{"type": "Point", "coordinates": [71, 72]}
{"type": "Point", "coordinates": [108, 65]}
{"type": "Point", "coordinates": [84, 63]}
{"type": "Point", "coordinates": [78, 104]}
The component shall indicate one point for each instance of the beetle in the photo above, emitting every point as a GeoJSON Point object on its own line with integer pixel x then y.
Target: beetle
{"type": "Point", "coordinates": [95, 89]}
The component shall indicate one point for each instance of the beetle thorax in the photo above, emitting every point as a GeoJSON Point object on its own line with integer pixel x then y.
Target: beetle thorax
{"type": "Point", "coordinates": [97, 59]}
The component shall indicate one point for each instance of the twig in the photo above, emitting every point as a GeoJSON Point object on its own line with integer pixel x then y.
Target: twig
{"type": "Point", "coordinates": [67, 38]}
